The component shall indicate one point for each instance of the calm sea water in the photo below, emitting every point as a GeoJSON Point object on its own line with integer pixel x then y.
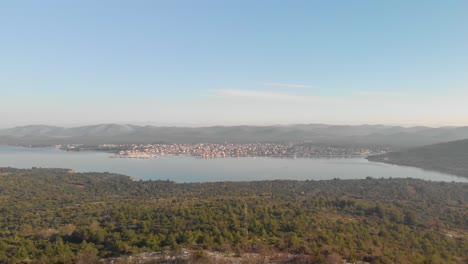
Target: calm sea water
{"type": "Point", "coordinates": [188, 169]}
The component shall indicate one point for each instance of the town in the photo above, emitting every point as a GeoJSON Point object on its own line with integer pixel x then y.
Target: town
{"type": "Point", "coordinates": [227, 150]}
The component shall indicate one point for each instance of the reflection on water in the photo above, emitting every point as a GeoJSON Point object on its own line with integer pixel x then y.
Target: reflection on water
{"type": "Point", "coordinates": [187, 169]}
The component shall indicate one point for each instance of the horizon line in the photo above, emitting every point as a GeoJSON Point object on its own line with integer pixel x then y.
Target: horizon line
{"type": "Point", "coordinates": [148, 124]}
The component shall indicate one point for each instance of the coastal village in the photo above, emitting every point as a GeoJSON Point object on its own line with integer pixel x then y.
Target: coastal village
{"type": "Point", "coordinates": [226, 150]}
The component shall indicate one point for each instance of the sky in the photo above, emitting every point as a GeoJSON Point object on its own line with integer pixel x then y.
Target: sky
{"type": "Point", "coordinates": [202, 63]}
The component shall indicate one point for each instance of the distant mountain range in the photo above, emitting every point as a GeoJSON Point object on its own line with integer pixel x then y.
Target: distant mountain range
{"type": "Point", "coordinates": [363, 135]}
{"type": "Point", "coordinates": [450, 157]}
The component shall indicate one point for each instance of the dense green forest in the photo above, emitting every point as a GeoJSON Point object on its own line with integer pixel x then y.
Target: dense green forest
{"type": "Point", "coordinates": [449, 157]}
{"type": "Point", "coordinates": [59, 216]}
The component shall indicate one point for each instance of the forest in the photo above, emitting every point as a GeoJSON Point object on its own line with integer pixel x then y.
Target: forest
{"type": "Point", "coordinates": [448, 157]}
{"type": "Point", "coordinates": [60, 216]}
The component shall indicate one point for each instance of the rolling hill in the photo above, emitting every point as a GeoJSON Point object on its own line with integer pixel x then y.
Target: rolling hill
{"type": "Point", "coordinates": [450, 157]}
{"type": "Point", "coordinates": [395, 137]}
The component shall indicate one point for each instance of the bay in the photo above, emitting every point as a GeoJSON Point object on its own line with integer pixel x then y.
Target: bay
{"type": "Point", "coordinates": [189, 169]}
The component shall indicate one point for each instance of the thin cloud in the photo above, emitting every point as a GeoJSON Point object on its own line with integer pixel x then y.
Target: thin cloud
{"type": "Point", "coordinates": [270, 96]}
{"type": "Point", "coordinates": [381, 94]}
{"type": "Point", "coordinates": [286, 85]}
{"type": "Point", "coordinates": [257, 95]}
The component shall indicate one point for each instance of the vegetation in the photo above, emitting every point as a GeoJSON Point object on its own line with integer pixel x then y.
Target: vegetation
{"type": "Point", "coordinates": [450, 157]}
{"type": "Point", "coordinates": [58, 216]}
{"type": "Point", "coordinates": [368, 136]}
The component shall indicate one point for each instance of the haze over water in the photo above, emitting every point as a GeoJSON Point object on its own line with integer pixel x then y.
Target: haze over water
{"type": "Point", "coordinates": [188, 169]}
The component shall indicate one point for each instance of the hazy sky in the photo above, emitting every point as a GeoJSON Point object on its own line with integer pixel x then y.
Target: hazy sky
{"type": "Point", "coordinates": [233, 62]}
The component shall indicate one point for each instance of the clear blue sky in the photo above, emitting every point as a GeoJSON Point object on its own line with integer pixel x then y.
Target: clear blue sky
{"type": "Point", "coordinates": [233, 62]}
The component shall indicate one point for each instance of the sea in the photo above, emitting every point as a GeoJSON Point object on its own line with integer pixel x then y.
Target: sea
{"type": "Point", "coordinates": [190, 169]}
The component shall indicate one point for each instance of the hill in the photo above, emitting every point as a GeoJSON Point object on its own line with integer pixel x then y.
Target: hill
{"type": "Point", "coordinates": [59, 216]}
{"type": "Point", "coordinates": [450, 157]}
{"type": "Point", "coordinates": [395, 137]}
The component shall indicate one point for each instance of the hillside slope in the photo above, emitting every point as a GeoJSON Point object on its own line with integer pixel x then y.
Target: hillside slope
{"type": "Point", "coordinates": [364, 135]}
{"type": "Point", "coordinates": [58, 216]}
{"type": "Point", "coordinates": [450, 157]}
